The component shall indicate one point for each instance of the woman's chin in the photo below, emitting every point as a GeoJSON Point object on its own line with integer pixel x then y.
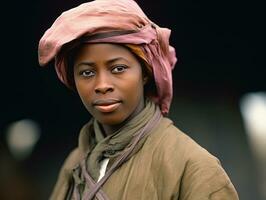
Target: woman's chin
{"type": "Point", "coordinates": [110, 120]}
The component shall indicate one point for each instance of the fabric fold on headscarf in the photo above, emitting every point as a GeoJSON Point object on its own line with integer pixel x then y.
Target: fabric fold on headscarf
{"type": "Point", "coordinates": [116, 21]}
{"type": "Point", "coordinates": [114, 146]}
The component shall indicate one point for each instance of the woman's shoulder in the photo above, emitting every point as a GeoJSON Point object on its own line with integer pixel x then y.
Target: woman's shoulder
{"type": "Point", "coordinates": [173, 142]}
{"type": "Point", "coordinates": [181, 156]}
{"type": "Point", "coordinates": [62, 184]}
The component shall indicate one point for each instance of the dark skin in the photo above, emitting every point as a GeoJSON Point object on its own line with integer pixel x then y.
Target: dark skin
{"type": "Point", "coordinates": [109, 81]}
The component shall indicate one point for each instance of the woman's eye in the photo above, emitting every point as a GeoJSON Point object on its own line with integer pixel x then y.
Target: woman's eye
{"type": "Point", "coordinates": [87, 73]}
{"type": "Point", "coordinates": [119, 69]}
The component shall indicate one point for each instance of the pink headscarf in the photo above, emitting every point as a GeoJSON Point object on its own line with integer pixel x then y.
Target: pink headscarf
{"type": "Point", "coordinates": [116, 21]}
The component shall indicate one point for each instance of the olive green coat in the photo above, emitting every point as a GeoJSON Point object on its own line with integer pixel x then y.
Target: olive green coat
{"type": "Point", "coordinates": [170, 165]}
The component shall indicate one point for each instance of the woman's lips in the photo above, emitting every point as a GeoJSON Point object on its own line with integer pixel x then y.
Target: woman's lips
{"type": "Point", "coordinates": [106, 105]}
{"type": "Point", "coordinates": [107, 108]}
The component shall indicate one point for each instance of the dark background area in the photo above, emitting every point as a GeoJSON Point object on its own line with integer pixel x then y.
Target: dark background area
{"type": "Point", "coordinates": [221, 50]}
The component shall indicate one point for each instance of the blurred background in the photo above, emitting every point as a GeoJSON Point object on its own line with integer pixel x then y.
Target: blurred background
{"type": "Point", "coordinates": [219, 92]}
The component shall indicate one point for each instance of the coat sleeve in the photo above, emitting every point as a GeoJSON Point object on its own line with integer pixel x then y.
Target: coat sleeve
{"type": "Point", "coordinates": [226, 192]}
{"type": "Point", "coordinates": [64, 178]}
{"type": "Point", "coordinates": [189, 171]}
{"type": "Point", "coordinates": [205, 179]}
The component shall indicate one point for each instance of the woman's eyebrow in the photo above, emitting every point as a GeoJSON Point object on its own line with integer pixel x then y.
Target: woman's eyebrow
{"type": "Point", "coordinates": [115, 59]}
{"type": "Point", "coordinates": [92, 64]}
{"type": "Point", "coordinates": [108, 62]}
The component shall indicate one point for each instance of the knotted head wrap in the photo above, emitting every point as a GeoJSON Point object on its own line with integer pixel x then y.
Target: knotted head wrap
{"type": "Point", "coordinates": [116, 21]}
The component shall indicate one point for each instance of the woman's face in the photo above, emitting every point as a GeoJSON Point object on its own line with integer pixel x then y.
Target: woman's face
{"type": "Point", "coordinates": [109, 81]}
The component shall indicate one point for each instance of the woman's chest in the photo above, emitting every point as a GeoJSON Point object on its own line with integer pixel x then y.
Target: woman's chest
{"type": "Point", "coordinates": [143, 179]}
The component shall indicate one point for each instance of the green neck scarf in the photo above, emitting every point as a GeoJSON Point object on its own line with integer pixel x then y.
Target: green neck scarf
{"type": "Point", "coordinates": [121, 145]}
{"type": "Point", "coordinates": [112, 145]}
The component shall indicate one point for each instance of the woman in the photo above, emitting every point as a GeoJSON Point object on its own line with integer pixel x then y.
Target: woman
{"type": "Point", "coordinates": [120, 64]}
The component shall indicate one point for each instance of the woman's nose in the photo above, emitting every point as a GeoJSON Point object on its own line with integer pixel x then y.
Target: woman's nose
{"type": "Point", "coordinates": [103, 84]}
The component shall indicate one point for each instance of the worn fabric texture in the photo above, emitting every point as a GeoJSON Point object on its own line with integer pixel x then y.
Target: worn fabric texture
{"type": "Point", "coordinates": [113, 145]}
{"type": "Point", "coordinates": [116, 21]}
{"type": "Point", "coordinates": [168, 165]}
{"type": "Point", "coordinates": [120, 146]}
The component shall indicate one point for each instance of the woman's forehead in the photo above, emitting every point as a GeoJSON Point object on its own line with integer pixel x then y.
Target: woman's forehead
{"type": "Point", "coordinates": [104, 52]}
